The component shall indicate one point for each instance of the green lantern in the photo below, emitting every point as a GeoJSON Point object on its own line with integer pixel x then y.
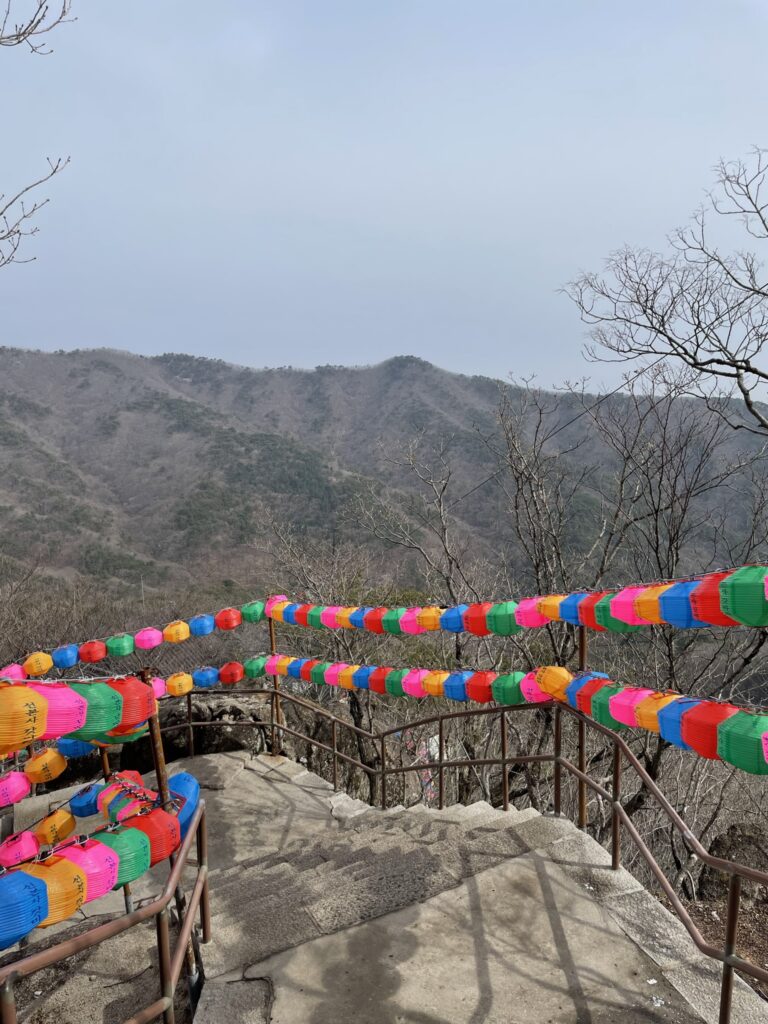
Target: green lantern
{"type": "Point", "coordinates": [317, 675]}
{"type": "Point", "coordinates": [119, 645]}
{"type": "Point", "coordinates": [742, 740]}
{"type": "Point", "coordinates": [501, 619]}
{"type": "Point", "coordinates": [608, 621]}
{"type": "Point", "coordinates": [132, 846]}
{"type": "Point", "coordinates": [104, 712]}
{"type": "Point", "coordinates": [601, 708]}
{"type": "Point", "coordinates": [506, 689]}
{"type": "Point", "coordinates": [313, 616]}
{"type": "Point", "coordinates": [254, 667]}
{"type": "Point", "coordinates": [253, 611]}
{"type": "Point", "coordinates": [391, 621]}
{"type": "Point", "coordinates": [742, 595]}
{"type": "Point", "coordinates": [394, 681]}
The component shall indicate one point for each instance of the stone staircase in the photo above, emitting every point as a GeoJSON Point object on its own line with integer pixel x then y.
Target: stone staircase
{"type": "Point", "coordinates": [326, 910]}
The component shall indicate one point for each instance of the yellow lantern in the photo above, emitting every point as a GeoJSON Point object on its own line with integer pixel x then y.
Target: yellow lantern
{"type": "Point", "coordinates": [554, 680]}
{"type": "Point", "coordinates": [550, 606]}
{"type": "Point", "coordinates": [23, 716]}
{"type": "Point", "coordinates": [433, 683]}
{"type": "Point", "coordinates": [179, 683]}
{"type": "Point", "coordinates": [429, 618]}
{"type": "Point", "coordinates": [45, 766]}
{"type": "Point", "coordinates": [342, 617]}
{"type": "Point", "coordinates": [282, 665]}
{"type": "Point", "coordinates": [55, 827]}
{"type": "Point", "coordinates": [345, 677]}
{"type": "Point", "coordinates": [38, 664]}
{"type": "Point", "coordinates": [65, 883]}
{"type": "Point", "coordinates": [647, 602]}
{"type": "Point", "coordinates": [277, 610]}
{"type": "Point", "coordinates": [176, 632]}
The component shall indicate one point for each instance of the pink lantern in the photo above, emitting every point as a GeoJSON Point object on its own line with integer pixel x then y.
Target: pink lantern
{"type": "Point", "coordinates": [527, 613]}
{"type": "Point", "coordinates": [413, 682]}
{"type": "Point", "coordinates": [623, 607]}
{"type": "Point", "coordinates": [531, 690]}
{"type": "Point", "coordinates": [19, 847]}
{"type": "Point", "coordinates": [270, 667]}
{"type": "Point", "coordinates": [409, 621]}
{"type": "Point", "coordinates": [332, 673]}
{"type": "Point", "coordinates": [148, 638]}
{"type": "Point", "coordinates": [67, 710]}
{"type": "Point", "coordinates": [98, 862]}
{"type": "Point", "coordinates": [271, 602]}
{"type": "Point", "coordinates": [158, 687]}
{"type": "Point", "coordinates": [13, 787]}
{"type": "Point", "coordinates": [13, 671]}
{"type": "Point", "coordinates": [622, 705]}
{"type": "Point", "coordinates": [328, 616]}
{"type": "Point", "coordinates": [134, 807]}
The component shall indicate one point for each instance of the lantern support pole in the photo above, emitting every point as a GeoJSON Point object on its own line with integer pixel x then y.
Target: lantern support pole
{"type": "Point", "coordinates": [276, 714]}
{"type": "Point", "coordinates": [582, 736]}
{"type": "Point", "coordinates": [615, 819]}
{"type": "Point", "coordinates": [731, 928]}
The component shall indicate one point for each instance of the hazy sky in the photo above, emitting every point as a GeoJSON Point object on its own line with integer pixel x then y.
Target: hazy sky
{"type": "Point", "coordinates": [339, 181]}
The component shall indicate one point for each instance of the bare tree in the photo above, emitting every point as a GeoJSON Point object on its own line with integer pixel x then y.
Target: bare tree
{"type": "Point", "coordinates": [698, 305]}
{"type": "Point", "coordinates": [30, 28]}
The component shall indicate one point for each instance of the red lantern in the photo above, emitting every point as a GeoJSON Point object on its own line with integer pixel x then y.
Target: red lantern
{"type": "Point", "coordinates": [138, 703]}
{"type": "Point", "coordinates": [232, 672]}
{"type": "Point", "coordinates": [588, 691]}
{"type": "Point", "coordinates": [162, 830]}
{"type": "Point", "coordinates": [376, 680]}
{"type": "Point", "coordinates": [301, 613]}
{"type": "Point", "coordinates": [305, 671]}
{"type": "Point", "coordinates": [372, 621]}
{"type": "Point", "coordinates": [705, 600]}
{"type": "Point", "coordinates": [586, 611]}
{"type": "Point", "coordinates": [228, 618]}
{"type": "Point", "coordinates": [699, 726]}
{"type": "Point", "coordinates": [475, 619]}
{"type": "Point", "coordinates": [479, 687]}
{"type": "Point", "coordinates": [93, 650]}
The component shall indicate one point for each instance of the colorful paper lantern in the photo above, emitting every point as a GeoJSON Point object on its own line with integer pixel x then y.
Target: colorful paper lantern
{"type": "Point", "coordinates": [377, 680]}
{"type": "Point", "coordinates": [394, 682]}
{"type": "Point", "coordinates": [23, 716]}
{"type": "Point", "coordinates": [67, 710]}
{"type": "Point", "coordinates": [455, 686]}
{"type": "Point", "coordinates": [205, 677]}
{"type": "Point", "coordinates": [742, 740]}
{"type": "Point", "coordinates": [186, 793]}
{"type": "Point", "coordinates": [475, 618]}
{"type": "Point", "coordinates": [578, 683]}
{"type": "Point", "coordinates": [742, 595]}
{"type": "Point", "coordinates": [14, 673]}
{"type": "Point", "coordinates": [148, 638]}
{"type": "Point", "coordinates": [162, 830]}
{"type": "Point", "coordinates": [409, 622]}
{"type": "Point", "coordinates": [506, 688]}
{"type": "Point", "coordinates": [647, 710]}
{"type": "Point", "coordinates": [647, 603]}
{"type": "Point", "coordinates": [158, 687]}
{"type": "Point", "coordinates": [65, 657]}
{"type": "Point", "coordinates": [623, 705]}
{"type": "Point", "coordinates": [434, 682]}
{"type": "Point", "coordinates": [65, 885]}
{"type": "Point", "coordinates": [501, 619]}
{"type": "Point", "coordinates": [138, 702]}
{"type": "Point", "coordinates": [361, 677]}
{"type": "Point", "coordinates": [586, 693]}
{"type": "Point", "coordinates": [92, 651]}
{"type": "Point", "coordinates": [623, 607]}
{"type": "Point", "coordinates": [295, 667]}
{"type": "Point", "coordinates": [705, 600]}
{"type": "Point", "coordinates": [569, 607]}
{"type": "Point", "coordinates": [133, 853]}
{"type": "Point", "coordinates": [307, 668]}
{"type": "Point", "coordinates": [587, 607]}
{"type": "Point", "coordinates": [607, 620]}
{"type": "Point", "coordinates": [554, 680]}
{"type": "Point", "coordinates": [120, 645]}
{"type": "Point", "coordinates": [346, 677]}
{"type": "Point", "coordinates": [332, 673]}
{"type": "Point", "coordinates": [23, 906]}
{"type": "Point", "coordinates": [549, 606]}
{"type": "Point", "coordinates": [700, 726]}
{"type": "Point", "coordinates": [675, 606]}
{"type": "Point", "coordinates": [480, 687]}
{"type": "Point", "coordinates": [85, 801]}
{"type": "Point", "coordinates": [289, 614]}
{"type": "Point", "coordinates": [391, 621]}
{"type": "Point", "coordinates": [228, 618]}
{"type": "Point", "coordinates": [315, 616]}
{"type": "Point", "coordinates": [97, 862]}
{"type": "Point", "coordinates": [255, 667]}
{"type": "Point", "coordinates": [328, 616]}
{"type": "Point", "coordinates": [254, 611]}
{"type": "Point", "coordinates": [357, 618]}
{"type": "Point", "coordinates": [14, 786]}
{"type": "Point", "coordinates": [318, 673]}
{"type": "Point", "coordinates": [271, 602]}
{"type": "Point", "coordinates": [55, 827]}
{"type": "Point", "coordinates": [527, 614]}
{"type": "Point", "coordinates": [531, 690]}
{"type": "Point", "coordinates": [413, 682]}
{"type": "Point", "coordinates": [17, 848]}
{"type": "Point", "coordinates": [74, 749]}
{"type": "Point", "coordinates": [201, 625]}
{"type": "Point", "coordinates": [601, 707]}
{"type": "Point", "coordinates": [232, 672]}
{"type": "Point", "coordinates": [342, 617]}
{"type": "Point", "coordinates": [38, 664]}
{"type": "Point", "coordinates": [429, 618]}
{"type": "Point", "coordinates": [45, 766]}
{"type": "Point", "coordinates": [176, 632]}
{"type": "Point", "coordinates": [179, 683]}
{"type": "Point", "coordinates": [452, 619]}
{"type": "Point", "coordinates": [373, 620]}
{"type": "Point", "coordinates": [104, 709]}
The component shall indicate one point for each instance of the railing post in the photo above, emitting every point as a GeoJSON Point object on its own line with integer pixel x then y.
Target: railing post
{"type": "Point", "coordinates": [202, 862]}
{"type": "Point", "coordinates": [558, 765]}
{"type": "Point", "coordinates": [615, 820]}
{"type": "Point", "coordinates": [504, 773]}
{"type": "Point", "coordinates": [7, 1002]}
{"type": "Point", "coordinates": [383, 773]}
{"type": "Point", "coordinates": [731, 928]}
{"type": "Point", "coordinates": [164, 960]}
{"type": "Point", "coordinates": [275, 687]}
{"type": "Point", "coordinates": [190, 730]}
{"type": "Point", "coordinates": [273, 745]}
{"type": "Point", "coordinates": [335, 758]}
{"type": "Point", "coordinates": [582, 735]}
{"type": "Point", "coordinates": [440, 768]}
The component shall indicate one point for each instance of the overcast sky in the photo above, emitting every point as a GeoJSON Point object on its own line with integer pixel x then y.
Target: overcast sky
{"type": "Point", "coordinates": [340, 181]}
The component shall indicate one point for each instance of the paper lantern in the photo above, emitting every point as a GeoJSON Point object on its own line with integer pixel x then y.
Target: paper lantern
{"type": "Point", "coordinates": [295, 667]}
{"type": "Point", "coordinates": [455, 686]}
{"type": "Point", "coordinates": [357, 618]}
{"type": "Point", "coordinates": [452, 619]}
{"type": "Point", "coordinates": [301, 615]}
{"type": "Point", "coordinates": [342, 618]}
{"type": "Point", "coordinates": [700, 726]}
{"type": "Point", "coordinates": [13, 673]}
{"type": "Point", "coordinates": [675, 606]}
{"type": "Point", "coordinates": [205, 677]}
{"type": "Point", "coordinates": [549, 606]}
{"type": "Point", "coordinates": [742, 741]}
{"type": "Point", "coordinates": [527, 614]}
{"type": "Point", "coordinates": [55, 827]}
{"type": "Point", "coordinates": [554, 680]}
{"type": "Point", "coordinates": [228, 618]}
{"type": "Point", "coordinates": [85, 801]}
{"type": "Point", "coordinates": [254, 611]}
{"type": "Point", "coordinates": [307, 668]}
{"type": "Point", "coordinates": [23, 716]}
{"type": "Point", "coordinates": [92, 651]}
{"type": "Point", "coordinates": [647, 710]}
{"type": "Point", "coordinates": [318, 673]}
{"type": "Point", "coordinates": [179, 683]}
{"type": "Point", "coordinates": [569, 607]}
{"type": "Point", "coordinates": [17, 848]}
{"type": "Point", "coordinates": [138, 702]}
{"type": "Point", "coordinates": [501, 619]}
{"type": "Point", "coordinates": [705, 600]}
{"type": "Point", "coordinates": [332, 673]}
{"type": "Point", "coordinates": [586, 693]}
{"type": "Point", "coordinates": [373, 620]}
{"type": "Point", "coordinates": [272, 601]}
{"type": "Point", "coordinates": [45, 766]}
{"type": "Point", "coordinates": [480, 687]}
{"type": "Point", "coordinates": [604, 617]}
{"type": "Point", "coordinates": [587, 610]}
{"type": "Point", "coordinates": [601, 707]}
{"type": "Point", "coordinates": [475, 619]}
{"type": "Point", "coordinates": [289, 614]}
{"type": "Point", "coordinates": [132, 849]}
{"type": "Point", "coordinates": [186, 793]}
{"type": "Point", "coordinates": [623, 606]}
{"type": "Point", "coordinates": [162, 830]}
{"type": "Point", "coordinates": [98, 863]}
{"type": "Point", "coordinates": [377, 680]}
{"type": "Point", "coordinates": [429, 618]}
{"type": "Point", "coordinates": [23, 906]}
{"type": "Point", "coordinates": [176, 632]}
{"type": "Point", "coordinates": [67, 710]}
{"type": "Point", "coordinates": [148, 638]}
{"type": "Point", "coordinates": [65, 657]}
{"type": "Point", "coordinates": [159, 689]}
{"type": "Point", "coordinates": [315, 616]}
{"type": "Point", "coordinates": [577, 684]}
{"type": "Point", "coordinates": [328, 616]}
{"type": "Point", "coordinates": [104, 709]}
{"type": "Point", "coordinates": [413, 682]}
{"type": "Point", "coordinates": [623, 706]}
{"type": "Point", "coordinates": [742, 595]}
{"type": "Point", "coordinates": [531, 690]}
{"type": "Point", "coordinates": [394, 682]}
{"type": "Point", "coordinates": [346, 677]}
{"type": "Point", "coordinates": [506, 688]}
{"type": "Point", "coordinates": [391, 621]}
{"type": "Point", "coordinates": [201, 625]}
{"type": "Point", "coordinates": [255, 667]}
{"type": "Point", "coordinates": [647, 602]}
{"type": "Point", "coordinates": [409, 622]}
{"type": "Point", "coordinates": [120, 645]}
{"type": "Point", "coordinates": [434, 682]}
{"type": "Point", "coordinates": [74, 749]}
{"type": "Point", "coordinates": [65, 885]}
{"type": "Point", "coordinates": [361, 677]}
{"type": "Point", "coordinates": [231, 672]}
{"type": "Point", "coordinates": [38, 664]}
{"type": "Point", "coordinates": [14, 786]}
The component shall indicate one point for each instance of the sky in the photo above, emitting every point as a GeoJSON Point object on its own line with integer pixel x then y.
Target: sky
{"type": "Point", "coordinates": [278, 182]}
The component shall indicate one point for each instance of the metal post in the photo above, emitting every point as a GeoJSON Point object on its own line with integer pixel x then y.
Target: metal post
{"type": "Point", "coordinates": [558, 765]}
{"type": "Point", "coordinates": [273, 744]}
{"type": "Point", "coordinates": [582, 735]}
{"type": "Point", "coordinates": [276, 713]}
{"type": "Point", "coordinates": [190, 730]}
{"type": "Point", "coordinates": [202, 861]}
{"type": "Point", "coordinates": [335, 758]}
{"type": "Point", "coordinates": [615, 820]}
{"type": "Point", "coordinates": [164, 960]}
{"type": "Point", "coordinates": [440, 768]}
{"type": "Point", "coordinates": [7, 1002]}
{"type": "Point", "coordinates": [504, 772]}
{"type": "Point", "coordinates": [106, 771]}
{"type": "Point", "coordinates": [731, 928]}
{"type": "Point", "coordinates": [383, 774]}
